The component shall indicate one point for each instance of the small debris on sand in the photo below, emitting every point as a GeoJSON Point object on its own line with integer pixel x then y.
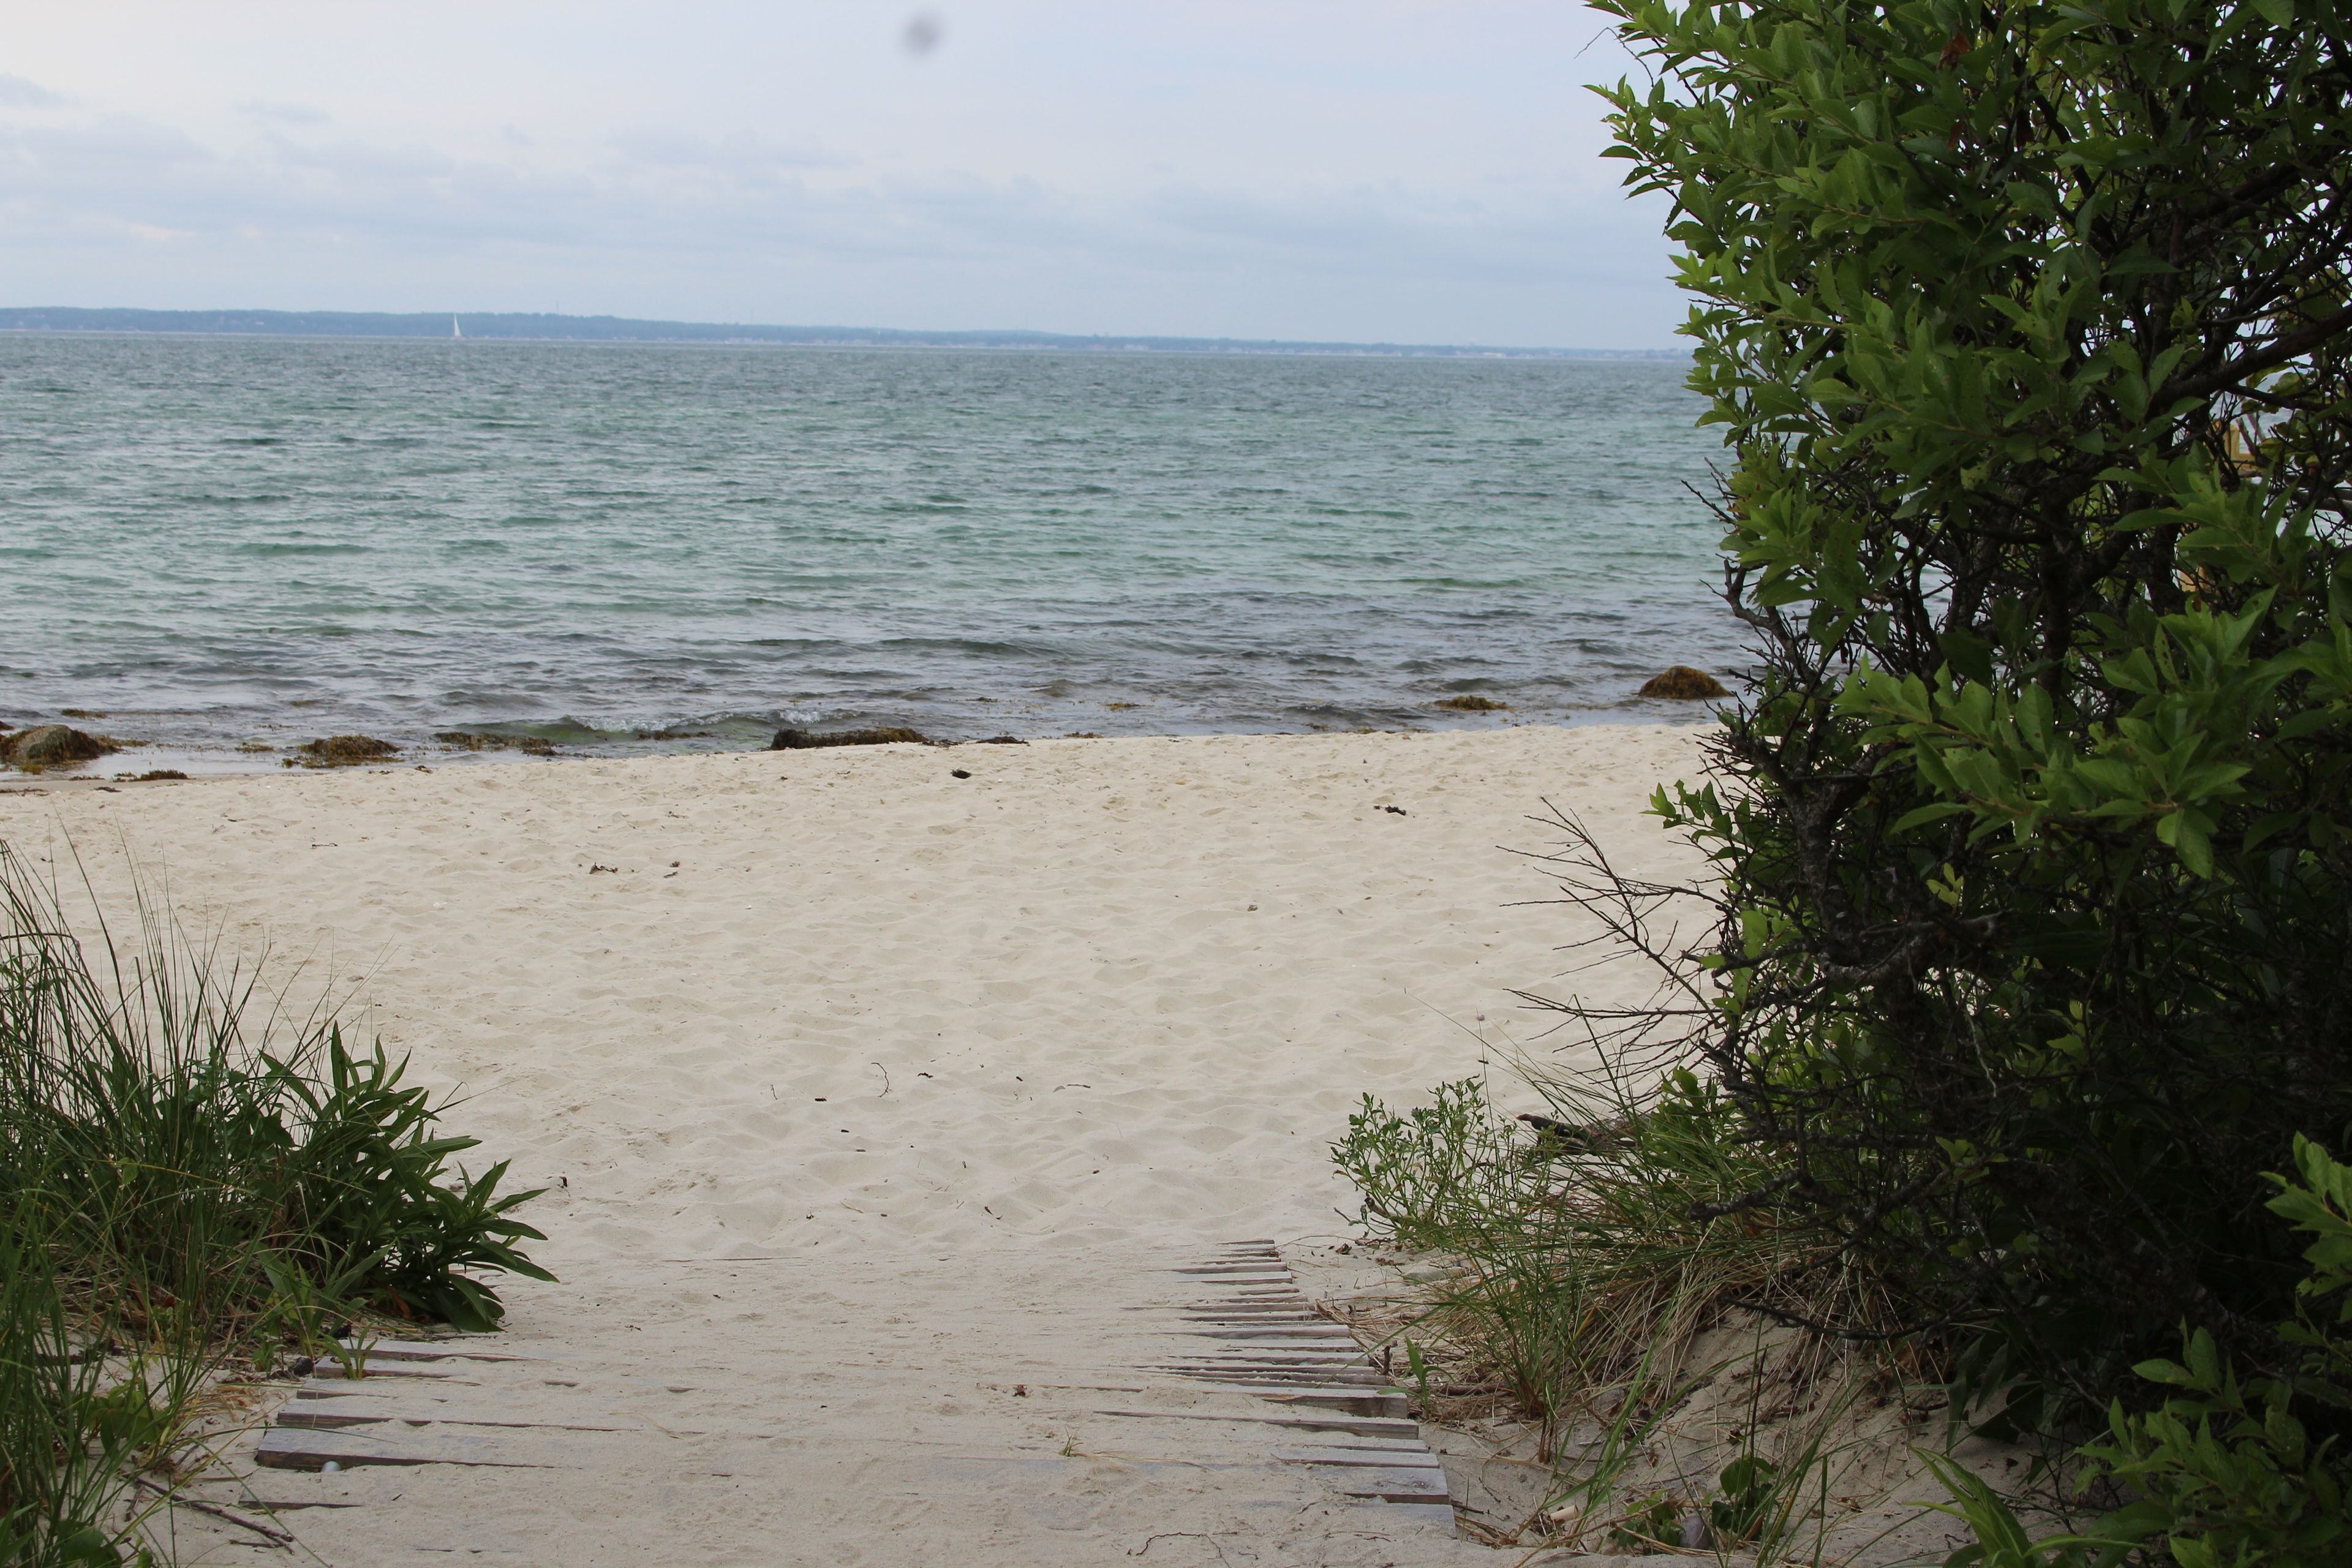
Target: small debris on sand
{"type": "Point", "coordinates": [790, 740]}
{"type": "Point", "coordinates": [1683, 683]}
{"type": "Point", "coordinates": [958, 773]}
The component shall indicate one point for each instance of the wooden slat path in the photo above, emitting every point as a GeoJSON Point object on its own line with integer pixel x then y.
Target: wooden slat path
{"type": "Point", "coordinates": [1264, 1338]}
{"type": "Point", "coordinates": [419, 1402]}
{"type": "Point", "coordinates": [1231, 1340]}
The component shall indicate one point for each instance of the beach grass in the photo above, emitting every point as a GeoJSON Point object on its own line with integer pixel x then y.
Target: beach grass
{"type": "Point", "coordinates": [194, 1182]}
{"type": "Point", "coordinates": [1596, 1275]}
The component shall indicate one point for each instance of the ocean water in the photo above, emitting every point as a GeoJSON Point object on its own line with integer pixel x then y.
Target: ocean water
{"type": "Point", "coordinates": [216, 542]}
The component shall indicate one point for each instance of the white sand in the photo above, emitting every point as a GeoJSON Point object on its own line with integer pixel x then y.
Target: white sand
{"type": "Point", "coordinates": [949, 1067]}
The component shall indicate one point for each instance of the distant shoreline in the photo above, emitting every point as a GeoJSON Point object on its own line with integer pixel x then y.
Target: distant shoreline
{"type": "Point", "coordinates": [539, 327]}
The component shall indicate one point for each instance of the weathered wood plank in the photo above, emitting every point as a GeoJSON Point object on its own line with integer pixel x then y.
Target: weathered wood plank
{"type": "Point", "coordinates": [293, 1449]}
{"type": "Point", "coordinates": [1393, 1485]}
{"type": "Point", "coordinates": [439, 1350]}
{"type": "Point", "coordinates": [1281, 1376]}
{"type": "Point", "coordinates": [1239, 1270]}
{"type": "Point", "coordinates": [1353, 1401]}
{"type": "Point", "coordinates": [1355, 1425]}
{"type": "Point", "coordinates": [1387, 1456]}
{"type": "Point", "coordinates": [328, 1414]}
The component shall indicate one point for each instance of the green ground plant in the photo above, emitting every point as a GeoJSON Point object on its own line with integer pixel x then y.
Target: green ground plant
{"type": "Point", "coordinates": [191, 1183]}
{"type": "Point", "coordinates": [1583, 1265]}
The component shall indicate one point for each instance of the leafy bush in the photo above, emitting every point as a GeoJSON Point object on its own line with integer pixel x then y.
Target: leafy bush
{"type": "Point", "coordinates": [2028, 329]}
{"type": "Point", "coordinates": [2226, 1475]}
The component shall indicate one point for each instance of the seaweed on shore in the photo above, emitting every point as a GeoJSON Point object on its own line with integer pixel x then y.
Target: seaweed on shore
{"type": "Point", "coordinates": [478, 741]}
{"type": "Point", "coordinates": [342, 752]}
{"type": "Point", "coordinates": [791, 739]}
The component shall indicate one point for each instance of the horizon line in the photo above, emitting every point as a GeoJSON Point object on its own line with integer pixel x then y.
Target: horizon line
{"type": "Point", "coordinates": [538, 326]}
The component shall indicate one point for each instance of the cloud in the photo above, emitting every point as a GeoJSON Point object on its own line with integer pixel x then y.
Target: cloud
{"type": "Point", "coordinates": [738, 155]}
{"type": "Point", "coordinates": [285, 114]}
{"type": "Point", "coordinates": [15, 92]}
{"type": "Point", "coordinates": [1079, 182]}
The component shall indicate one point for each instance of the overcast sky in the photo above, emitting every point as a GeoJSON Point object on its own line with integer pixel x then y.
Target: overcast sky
{"type": "Point", "coordinates": [1412, 172]}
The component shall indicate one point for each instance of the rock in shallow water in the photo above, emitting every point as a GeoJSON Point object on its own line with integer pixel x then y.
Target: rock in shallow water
{"type": "Point", "coordinates": [55, 745]}
{"type": "Point", "coordinates": [1684, 683]}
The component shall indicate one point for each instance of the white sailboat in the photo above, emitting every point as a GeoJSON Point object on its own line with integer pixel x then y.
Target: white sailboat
{"type": "Point", "coordinates": [453, 328]}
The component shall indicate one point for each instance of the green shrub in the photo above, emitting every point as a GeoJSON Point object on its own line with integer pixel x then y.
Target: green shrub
{"type": "Point", "coordinates": [2225, 1474]}
{"type": "Point", "coordinates": [2027, 326]}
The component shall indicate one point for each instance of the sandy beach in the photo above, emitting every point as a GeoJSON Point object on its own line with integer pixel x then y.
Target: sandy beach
{"type": "Point", "coordinates": [939, 1066]}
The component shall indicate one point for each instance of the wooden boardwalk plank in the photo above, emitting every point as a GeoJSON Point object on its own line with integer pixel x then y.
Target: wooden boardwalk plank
{"type": "Point", "coordinates": [1413, 1456]}
{"type": "Point", "coordinates": [1395, 1486]}
{"type": "Point", "coordinates": [294, 1449]}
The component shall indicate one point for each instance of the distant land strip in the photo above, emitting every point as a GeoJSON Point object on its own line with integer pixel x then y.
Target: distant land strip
{"type": "Point", "coordinates": [512, 326]}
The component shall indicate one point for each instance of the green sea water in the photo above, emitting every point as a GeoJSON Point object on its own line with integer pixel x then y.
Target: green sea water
{"type": "Point", "coordinates": [219, 539]}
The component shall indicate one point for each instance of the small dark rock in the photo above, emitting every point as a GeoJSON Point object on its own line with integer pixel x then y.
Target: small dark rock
{"type": "Point", "coordinates": [346, 750]}
{"type": "Point", "coordinates": [54, 746]}
{"type": "Point", "coordinates": [301, 1365]}
{"type": "Point", "coordinates": [790, 740]}
{"type": "Point", "coordinates": [1683, 683]}
{"type": "Point", "coordinates": [1470, 702]}
{"type": "Point", "coordinates": [958, 773]}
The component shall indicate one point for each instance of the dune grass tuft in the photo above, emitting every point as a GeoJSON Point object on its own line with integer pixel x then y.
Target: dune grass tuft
{"type": "Point", "coordinates": [191, 1180]}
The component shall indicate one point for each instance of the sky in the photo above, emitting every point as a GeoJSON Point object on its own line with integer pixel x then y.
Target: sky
{"type": "Point", "coordinates": [1403, 171]}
